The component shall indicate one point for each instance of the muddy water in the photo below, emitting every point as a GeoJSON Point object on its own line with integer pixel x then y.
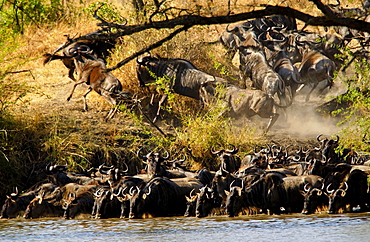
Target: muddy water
{"type": "Point", "coordinates": [349, 227]}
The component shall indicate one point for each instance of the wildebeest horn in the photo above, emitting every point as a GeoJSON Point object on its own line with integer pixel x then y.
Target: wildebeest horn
{"type": "Point", "coordinates": [84, 49]}
{"type": "Point", "coordinates": [184, 159]}
{"type": "Point", "coordinates": [233, 151]}
{"type": "Point", "coordinates": [119, 191]}
{"type": "Point", "coordinates": [149, 191]}
{"type": "Point", "coordinates": [269, 149]}
{"type": "Point", "coordinates": [99, 192]}
{"type": "Point", "coordinates": [40, 199]}
{"type": "Point", "coordinates": [14, 194]}
{"type": "Point", "coordinates": [144, 158]}
{"type": "Point", "coordinates": [307, 187]}
{"type": "Point", "coordinates": [167, 155]}
{"type": "Point", "coordinates": [319, 192]}
{"type": "Point", "coordinates": [192, 193]}
{"type": "Point", "coordinates": [101, 167]}
{"type": "Point", "coordinates": [48, 168]}
{"type": "Point", "coordinates": [139, 61]}
{"type": "Point", "coordinates": [231, 184]}
{"type": "Point", "coordinates": [318, 137]}
{"type": "Point", "coordinates": [216, 152]}
{"type": "Point", "coordinates": [126, 167]}
{"type": "Point", "coordinates": [230, 31]}
{"type": "Point", "coordinates": [346, 186]}
{"type": "Point", "coordinates": [131, 191]}
{"type": "Point", "coordinates": [336, 141]}
{"type": "Point", "coordinates": [327, 189]}
{"type": "Point", "coordinates": [60, 167]}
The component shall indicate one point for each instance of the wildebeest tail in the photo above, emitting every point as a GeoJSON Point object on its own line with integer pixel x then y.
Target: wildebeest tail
{"type": "Point", "coordinates": [49, 57]}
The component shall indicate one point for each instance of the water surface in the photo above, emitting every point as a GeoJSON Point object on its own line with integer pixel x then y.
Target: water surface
{"type": "Point", "coordinates": [348, 227]}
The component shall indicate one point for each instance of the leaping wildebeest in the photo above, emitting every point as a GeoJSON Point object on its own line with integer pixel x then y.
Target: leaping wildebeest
{"type": "Point", "coordinates": [92, 71]}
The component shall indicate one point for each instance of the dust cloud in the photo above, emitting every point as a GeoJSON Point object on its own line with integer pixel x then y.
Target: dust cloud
{"type": "Point", "coordinates": [305, 120]}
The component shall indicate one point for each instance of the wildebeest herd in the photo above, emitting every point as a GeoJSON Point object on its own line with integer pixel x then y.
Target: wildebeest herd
{"type": "Point", "coordinates": [272, 180]}
{"type": "Point", "coordinates": [276, 61]}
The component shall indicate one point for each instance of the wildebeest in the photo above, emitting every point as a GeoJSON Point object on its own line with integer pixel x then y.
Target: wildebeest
{"type": "Point", "coordinates": [79, 201]}
{"type": "Point", "coordinates": [160, 197]}
{"type": "Point", "coordinates": [266, 194]}
{"type": "Point", "coordinates": [315, 68]}
{"type": "Point", "coordinates": [113, 201]}
{"type": "Point", "coordinates": [51, 205]}
{"type": "Point", "coordinates": [228, 162]}
{"type": "Point", "coordinates": [205, 201]}
{"type": "Point", "coordinates": [106, 204]}
{"type": "Point", "coordinates": [351, 191]}
{"type": "Point", "coordinates": [347, 33]}
{"type": "Point", "coordinates": [261, 74]}
{"type": "Point", "coordinates": [314, 199]}
{"type": "Point", "coordinates": [155, 167]}
{"type": "Point", "coordinates": [40, 207]}
{"type": "Point", "coordinates": [277, 57]}
{"type": "Point", "coordinates": [16, 203]}
{"type": "Point", "coordinates": [92, 71]}
{"type": "Point", "coordinates": [233, 36]}
{"type": "Point", "coordinates": [184, 78]}
{"type": "Point", "coordinates": [294, 187]}
{"type": "Point", "coordinates": [245, 102]}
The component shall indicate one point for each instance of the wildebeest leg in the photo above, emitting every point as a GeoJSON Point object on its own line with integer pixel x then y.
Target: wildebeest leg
{"type": "Point", "coordinates": [84, 98]}
{"type": "Point", "coordinates": [70, 74]}
{"type": "Point", "coordinates": [313, 88]}
{"type": "Point", "coordinates": [163, 99]}
{"type": "Point", "coordinates": [272, 121]}
{"type": "Point", "coordinates": [74, 87]}
{"type": "Point", "coordinates": [300, 88]}
{"type": "Point", "coordinates": [328, 84]}
{"type": "Point", "coordinates": [112, 112]}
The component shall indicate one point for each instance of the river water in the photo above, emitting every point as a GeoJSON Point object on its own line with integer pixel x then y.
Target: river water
{"type": "Point", "coordinates": [348, 227]}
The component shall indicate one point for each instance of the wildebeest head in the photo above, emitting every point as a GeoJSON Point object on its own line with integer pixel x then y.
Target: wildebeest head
{"type": "Point", "coordinates": [227, 160]}
{"type": "Point", "coordinates": [336, 198]}
{"type": "Point", "coordinates": [114, 174]}
{"type": "Point", "coordinates": [207, 200]}
{"type": "Point", "coordinates": [190, 204]}
{"type": "Point", "coordinates": [234, 200]}
{"type": "Point", "coordinates": [137, 198]}
{"type": "Point", "coordinates": [328, 147]}
{"type": "Point", "coordinates": [312, 196]}
{"type": "Point", "coordinates": [153, 162]}
{"type": "Point", "coordinates": [145, 65]}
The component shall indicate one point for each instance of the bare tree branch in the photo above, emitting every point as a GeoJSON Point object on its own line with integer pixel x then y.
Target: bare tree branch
{"type": "Point", "coordinates": [150, 47]}
{"type": "Point", "coordinates": [331, 19]}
